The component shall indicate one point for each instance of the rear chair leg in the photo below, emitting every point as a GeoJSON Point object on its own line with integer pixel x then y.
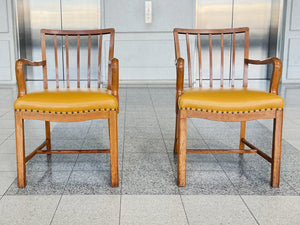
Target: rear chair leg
{"type": "Point", "coordinates": [113, 137]}
{"type": "Point", "coordinates": [276, 148]}
{"type": "Point", "coordinates": [182, 149]}
{"type": "Point", "coordinates": [20, 149]}
{"type": "Point", "coordinates": [242, 135]}
{"type": "Point", "coordinates": [48, 135]}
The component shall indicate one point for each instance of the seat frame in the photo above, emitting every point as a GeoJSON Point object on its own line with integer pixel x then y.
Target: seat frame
{"type": "Point", "coordinates": [111, 115]}
{"type": "Point", "coordinates": [182, 114]}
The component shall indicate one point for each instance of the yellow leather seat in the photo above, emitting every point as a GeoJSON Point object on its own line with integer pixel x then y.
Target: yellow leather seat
{"type": "Point", "coordinates": [229, 100]}
{"type": "Point", "coordinates": [67, 101]}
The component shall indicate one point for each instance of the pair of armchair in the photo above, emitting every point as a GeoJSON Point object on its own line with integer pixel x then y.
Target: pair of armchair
{"type": "Point", "coordinates": [79, 104]}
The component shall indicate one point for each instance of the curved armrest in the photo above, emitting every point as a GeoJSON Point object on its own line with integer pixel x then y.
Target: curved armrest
{"type": "Point", "coordinates": [179, 79]}
{"type": "Point", "coordinates": [115, 78]}
{"type": "Point", "coordinates": [276, 73]}
{"type": "Point", "coordinates": [20, 74]}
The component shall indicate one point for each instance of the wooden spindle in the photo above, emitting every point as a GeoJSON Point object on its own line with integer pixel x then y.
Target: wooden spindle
{"type": "Point", "coordinates": [210, 61]}
{"type": "Point", "coordinates": [56, 61]}
{"type": "Point", "coordinates": [67, 61]}
{"type": "Point", "coordinates": [233, 60]}
{"type": "Point", "coordinates": [222, 60]}
{"type": "Point", "coordinates": [246, 56]}
{"type": "Point", "coordinates": [199, 60]}
{"type": "Point", "coordinates": [78, 61]}
{"type": "Point", "coordinates": [189, 59]}
{"type": "Point", "coordinates": [89, 61]}
{"type": "Point", "coordinates": [99, 61]}
{"type": "Point", "coordinates": [43, 46]}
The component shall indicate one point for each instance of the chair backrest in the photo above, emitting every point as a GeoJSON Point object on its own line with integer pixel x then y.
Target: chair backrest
{"type": "Point", "coordinates": [77, 36]}
{"type": "Point", "coordinates": [198, 35]}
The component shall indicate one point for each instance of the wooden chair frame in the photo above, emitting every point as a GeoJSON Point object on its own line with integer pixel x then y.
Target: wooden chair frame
{"type": "Point", "coordinates": [113, 85]}
{"type": "Point", "coordinates": [182, 115]}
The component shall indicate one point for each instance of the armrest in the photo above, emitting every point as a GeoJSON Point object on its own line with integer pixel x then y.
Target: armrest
{"type": "Point", "coordinates": [115, 78]}
{"type": "Point", "coordinates": [179, 79]}
{"type": "Point", "coordinates": [276, 73]}
{"type": "Point", "coordinates": [20, 74]}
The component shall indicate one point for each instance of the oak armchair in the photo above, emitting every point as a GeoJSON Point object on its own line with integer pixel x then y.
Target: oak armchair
{"type": "Point", "coordinates": [68, 104]}
{"type": "Point", "coordinates": [225, 104]}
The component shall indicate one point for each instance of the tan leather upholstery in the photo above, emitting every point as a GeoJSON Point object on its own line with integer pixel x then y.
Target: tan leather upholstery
{"type": "Point", "coordinates": [232, 100]}
{"type": "Point", "coordinates": [67, 100]}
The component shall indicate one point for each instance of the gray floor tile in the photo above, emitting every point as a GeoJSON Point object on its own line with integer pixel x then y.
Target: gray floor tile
{"type": "Point", "coordinates": [144, 145]}
{"type": "Point", "coordinates": [67, 144]}
{"type": "Point", "coordinates": [192, 143]}
{"type": "Point", "coordinates": [99, 161]}
{"type": "Point", "coordinates": [257, 183]}
{"type": "Point", "coordinates": [152, 209]}
{"type": "Point", "coordinates": [8, 162]}
{"type": "Point", "coordinates": [27, 209]}
{"type": "Point", "coordinates": [213, 133]}
{"type": "Point", "coordinates": [292, 178]}
{"type": "Point", "coordinates": [207, 183]}
{"type": "Point", "coordinates": [136, 182]}
{"type": "Point", "coordinates": [69, 133]}
{"type": "Point", "coordinates": [274, 209]}
{"type": "Point", "coordinates": [196, 162]}
{"type": "Point", "coordinates": [55, 162]}
{"type": "Point", "coordinates": [87, 209]}
{"type": "Point", "coordinates": [146, 161]}
{"type": "Point", "coordinates": [102, 133]}
{"type": "Point", "coordinates": [6, 179]}
{"type": "Point", "coordinates": [141, 132]}
{"type": "Point", "coordinates": [242, 162]}
{"type": "Point", "coordinates": [41, 183]}
{"type": "Point", "coordinates": [91, 183]}
{"type": "Point", "coordinates": [216, 209]}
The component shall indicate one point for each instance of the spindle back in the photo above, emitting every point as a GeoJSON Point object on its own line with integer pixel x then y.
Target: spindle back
{"type": "Point", "coordinates": [66, 34]}
{"type": "Point", "coordinates": [199, 33]}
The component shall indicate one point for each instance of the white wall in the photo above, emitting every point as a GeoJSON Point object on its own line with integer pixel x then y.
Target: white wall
{"type": "Point", "coordinates": [291, 46]}
{"type": "Point", "coordinates": [7, 42]}
{"type": "Point", "coordinates": [146, 51]}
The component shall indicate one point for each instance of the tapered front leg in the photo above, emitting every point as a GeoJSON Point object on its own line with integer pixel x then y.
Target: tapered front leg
{"type": "Point", "coordinates": [20, 149]}
{"type": "Point", "coordinates": [182, 149]}
{"type": "Point", "coordinates": [113, 137]}
{"type": "Point", "coordinates": [176, 134]}
{"type": "Point", "coordinates": [276, 151]}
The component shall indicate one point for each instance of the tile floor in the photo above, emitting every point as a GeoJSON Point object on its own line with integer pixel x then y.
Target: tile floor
{"type": "Point", "coordinates": [221, 189]}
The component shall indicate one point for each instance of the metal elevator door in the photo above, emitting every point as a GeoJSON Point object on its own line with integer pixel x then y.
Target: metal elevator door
{"type": "Point", "coordinates": [34, 15]}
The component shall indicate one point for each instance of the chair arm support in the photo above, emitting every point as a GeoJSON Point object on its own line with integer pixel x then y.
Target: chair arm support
{"type": "Point", "coordinates": [276, 72]}
{"type": "Point", "coordinates": [20, 74]}
{"type": "Point", "coordinates": [115, 78]}
{"type": "Point", "coordinates": [179, 79]}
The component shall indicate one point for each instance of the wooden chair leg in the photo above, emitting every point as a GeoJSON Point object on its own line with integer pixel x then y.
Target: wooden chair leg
{"type": "Point", "coordinates": [20, 150]}
{"type": "Point", "coordinates": [48, 135]}
{"type": "Point", "coordinates": [242, 134]}
{"type": "Point", "coordinates": [276, 149]}
{"type": "Point", "coordinates": [176, 135]}
{"type": "Point", "coordinates": [113, 137]}
{"type": "Point", "coordinates": [181, 180]}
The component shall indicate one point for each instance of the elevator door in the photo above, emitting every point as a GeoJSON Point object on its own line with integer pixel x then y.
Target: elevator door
{"type": "Point", "coordinates": [56, 14]}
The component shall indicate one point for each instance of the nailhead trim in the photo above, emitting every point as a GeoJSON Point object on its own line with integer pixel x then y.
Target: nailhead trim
{"type": "Point", "coordinates": [75, 112]}
{"type": "Point", "coordinates": [231, 112]}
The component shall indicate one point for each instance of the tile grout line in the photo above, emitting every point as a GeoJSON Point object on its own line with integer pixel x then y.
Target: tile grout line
{"type": "Point", "coordinates": [249, 210]}
{"type": "Point", "coordinates": [68, 178]}
{"type": "Point", "coordinates": [162, 135]}
{"type": "Point", "coordinates": [166, 149]}
{"type": "Point", "coordinates": [120, 209]}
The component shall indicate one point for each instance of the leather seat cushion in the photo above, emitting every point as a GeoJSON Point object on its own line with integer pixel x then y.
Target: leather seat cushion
{"type": "Point", "coordinates": [67, 100]}
{"type": "Point", "coordinates": [229, 100]}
